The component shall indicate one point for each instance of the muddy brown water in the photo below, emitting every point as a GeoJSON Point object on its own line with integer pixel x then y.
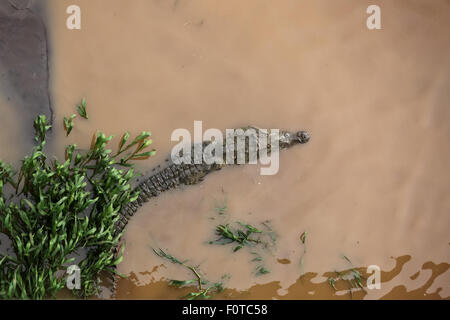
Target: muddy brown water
{"type": "Point", "coordinates": [372, 184]}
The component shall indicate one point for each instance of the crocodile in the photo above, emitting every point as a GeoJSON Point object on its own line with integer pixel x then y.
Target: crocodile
{"type": "Point", "coordinates": [173, 175]}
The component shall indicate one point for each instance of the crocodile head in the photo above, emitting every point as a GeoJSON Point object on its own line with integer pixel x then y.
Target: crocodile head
{"type": "Point", "coordinates": [288, 139]}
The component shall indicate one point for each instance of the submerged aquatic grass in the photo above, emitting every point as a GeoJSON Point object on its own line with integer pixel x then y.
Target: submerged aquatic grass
{"type": "Point", "coordinates": [51, 211]}
{"type": "Point", "coordinates": [242, 237]}
{"type": "Point", "coordinates": [205, 287]}
{"type": "Point", "coordinates": [352, 277]}
{"type": "Point", "coordinates": [222, 209]}
{"type": "Point", "coordinates": [245, 235]}
{"type": "Point", "coordinates": [303, 241]}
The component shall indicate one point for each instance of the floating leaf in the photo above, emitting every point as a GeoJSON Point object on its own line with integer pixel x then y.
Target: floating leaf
{"type": "Point", "coordinates": [68, 124]}
{"type": "Point", "coordinates": [332, 282]}
{"type": "Point", "coordinates": [82, 109]}
{"type": "Point", "coordinates": [261, 270]}
{"type": "Point", "coordinates": [303, 237]}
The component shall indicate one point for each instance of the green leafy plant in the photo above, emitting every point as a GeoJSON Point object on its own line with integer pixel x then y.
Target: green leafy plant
{"type": "Point", "coordinates": [68, 124]}
{"type": "Point", "coordinates": [59, 213]}
{"type": "Point", "coordinates": [82, 109]}
{"type": "Point", "coordinates": [140, 143]}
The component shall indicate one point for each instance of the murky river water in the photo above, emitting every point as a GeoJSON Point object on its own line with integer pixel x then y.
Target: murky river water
{"type": "Point", "coordinates": [371, 185]}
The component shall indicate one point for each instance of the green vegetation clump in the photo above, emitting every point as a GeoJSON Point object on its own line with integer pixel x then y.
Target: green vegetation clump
{"type": "Point", "coordinates": [82, 109]}
{"type": "Point", "coordinates": [61, 213]}
{"type": "Point", "coordinates": [239, 236]}
{"type": "Point", "coordinates": [245, 235]}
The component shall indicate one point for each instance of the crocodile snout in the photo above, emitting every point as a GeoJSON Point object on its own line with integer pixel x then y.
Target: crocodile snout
{"type": "Point", "coordinates": [303, 136]}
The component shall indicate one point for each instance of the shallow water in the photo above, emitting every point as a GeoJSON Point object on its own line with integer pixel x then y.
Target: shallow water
{"type": "Point", "coordinates": [372, 184]}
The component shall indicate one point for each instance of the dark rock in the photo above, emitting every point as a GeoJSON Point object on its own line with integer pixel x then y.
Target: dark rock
{"type": "Point", "coordinates": [24, 72]}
